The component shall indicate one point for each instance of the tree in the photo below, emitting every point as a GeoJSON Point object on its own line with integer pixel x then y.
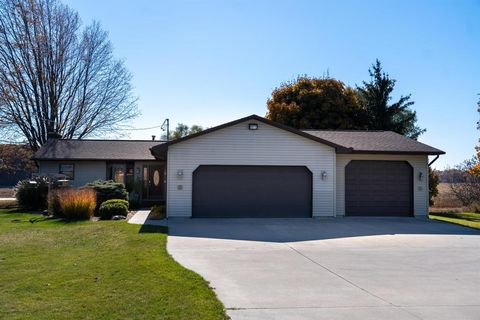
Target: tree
{"type": "Point", "coordinates": [468, 190]}
{"type": "Point", "coordinates": [183, 130]}
{"type": "Point", "coordinates": [56, 76]}
{"type": "Point", "coordinates": [15, 163]}
{"type": "Point", "coordinates": [433, 181]}
{"type": "Point", "coordinates": [475, 169]}
{"type": "Point", "coordinates": [316, 103]}
{"type": "Point", "coordinates": [16, 158]}
{"type": "Point", "coordinates": [375, 95]}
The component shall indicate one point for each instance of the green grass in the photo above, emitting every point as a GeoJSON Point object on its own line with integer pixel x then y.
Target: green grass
{"type": "Point", "coordinates": [51, 269]}
{"type": "Point", "coordinates": [467, 219]}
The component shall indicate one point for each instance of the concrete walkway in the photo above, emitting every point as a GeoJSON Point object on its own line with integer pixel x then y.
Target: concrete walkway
{"type": "Point", "coordinates": [141, 217]}
{"type": "Point", "coordinates": [365, 268]}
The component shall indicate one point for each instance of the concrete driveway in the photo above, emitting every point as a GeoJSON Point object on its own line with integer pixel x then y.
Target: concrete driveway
{"type": "Point", "coordinates": [350, 268]}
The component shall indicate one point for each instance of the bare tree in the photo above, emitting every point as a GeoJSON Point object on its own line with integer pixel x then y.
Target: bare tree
{"type": "Point", "coordinates": [467, 190]}
{"type": "Point", "coordinates": [56, 76]}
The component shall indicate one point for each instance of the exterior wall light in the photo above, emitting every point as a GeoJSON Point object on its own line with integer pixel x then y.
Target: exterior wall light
{"type": "Point", "coordinates": [179, 172]}
{"type": "Point", "coordinates": [324, 175]}
{"type": "Point", "coordinates": [253, 126]}
{"type": "Point", "coordinates": [420, 176]}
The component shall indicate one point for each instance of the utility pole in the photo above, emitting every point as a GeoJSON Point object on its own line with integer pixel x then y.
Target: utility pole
{"type": "Point", "coordinates": [166, 126]}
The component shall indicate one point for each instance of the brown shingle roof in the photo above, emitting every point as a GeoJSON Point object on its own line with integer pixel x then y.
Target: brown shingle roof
{"type": "Point", "coordinates": [342, 141]}
{"type": "Point", "coordinates": [96, 150]}
{"type": "Point", "coordinates": [374, 141]}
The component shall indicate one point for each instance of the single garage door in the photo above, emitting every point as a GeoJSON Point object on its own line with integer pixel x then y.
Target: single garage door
{"type": "Point", "coordinates": [252, 192]}
{"type": "Point", "coordinates": [378, 188]}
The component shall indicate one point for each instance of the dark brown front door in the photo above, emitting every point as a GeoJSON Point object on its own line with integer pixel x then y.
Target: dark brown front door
{"type": "Point", "coordinates": [378, 188]}
{"type": "Point", "coordinates": [252, 192]}
{"type": "Point", "coordinates": [155, 184]}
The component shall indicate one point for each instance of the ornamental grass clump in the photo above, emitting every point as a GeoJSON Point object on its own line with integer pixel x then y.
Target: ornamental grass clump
{"type": "Point", "coordinates": [77, 204]}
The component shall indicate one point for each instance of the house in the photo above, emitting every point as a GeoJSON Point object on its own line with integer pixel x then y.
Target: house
{"type": "Point", "coordinates": [254, 167]}
{"type": "Point", "coordinates": [126, 161]}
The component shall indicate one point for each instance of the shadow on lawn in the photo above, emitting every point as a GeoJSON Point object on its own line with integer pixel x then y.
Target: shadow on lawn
{"type": "Point", "coordinates": [463, 216]}
{"type": "Point", "coordinates": [153, 229]}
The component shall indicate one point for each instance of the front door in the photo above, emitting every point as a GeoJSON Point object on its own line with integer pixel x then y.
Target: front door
{"type": "Point", "coordinates": [155, 185]}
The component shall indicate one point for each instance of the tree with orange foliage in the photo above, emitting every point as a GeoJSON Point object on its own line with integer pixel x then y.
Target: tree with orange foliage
{"type": "Point", "coordinates": [475, 169]}
{"type": "Point", "coordinates": [316, 103]}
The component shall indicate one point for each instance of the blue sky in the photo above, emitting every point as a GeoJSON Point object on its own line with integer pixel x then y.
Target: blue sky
{"type": "Point", "coordinates": [208, 62]}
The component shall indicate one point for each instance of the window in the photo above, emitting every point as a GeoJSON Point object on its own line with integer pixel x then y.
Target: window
{"type": "Point", "coordinates": [68, 170]}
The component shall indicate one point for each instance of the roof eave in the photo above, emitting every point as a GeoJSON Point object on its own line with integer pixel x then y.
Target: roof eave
{"type": "Point", "coordinates": [91, 159]}
{"type": "Point", "coordinates": [439, 152]}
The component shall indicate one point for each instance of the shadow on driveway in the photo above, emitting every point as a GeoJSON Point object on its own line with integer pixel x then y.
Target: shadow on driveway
{"type": "Point", "coordinates": [293, 230]}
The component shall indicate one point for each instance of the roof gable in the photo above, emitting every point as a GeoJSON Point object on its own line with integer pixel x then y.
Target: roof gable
{"type": "Point", "coordinates": [160, 150]}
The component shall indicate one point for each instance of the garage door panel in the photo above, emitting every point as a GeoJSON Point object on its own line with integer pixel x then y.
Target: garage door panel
{"type": "Point", "coordinates": [251, 191]}
{"type": "Point", "coordinates": [379, 188]}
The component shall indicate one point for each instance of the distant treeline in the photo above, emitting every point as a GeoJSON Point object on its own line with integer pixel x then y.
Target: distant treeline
{"type": "Point", "coordinates": [451, 175]}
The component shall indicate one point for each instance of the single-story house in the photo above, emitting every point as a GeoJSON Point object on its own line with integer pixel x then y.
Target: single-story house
{"type": "Point", "coordinates": [254, 167]}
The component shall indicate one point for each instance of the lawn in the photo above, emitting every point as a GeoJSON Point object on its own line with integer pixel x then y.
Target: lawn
{"type": "Point", "coordinates": [467, 219]}
{"type": "Point", "coordinates": [51, 269]}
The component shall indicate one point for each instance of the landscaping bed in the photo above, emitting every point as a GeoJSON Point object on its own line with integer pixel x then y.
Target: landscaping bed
{"type": "Point", "coordinates": [53, 269]}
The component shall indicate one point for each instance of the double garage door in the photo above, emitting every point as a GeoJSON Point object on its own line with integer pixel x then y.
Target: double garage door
{"type": "Point", "coordinates": [252, 192]}
{"type": "Point", "coordinates": [372, 188]}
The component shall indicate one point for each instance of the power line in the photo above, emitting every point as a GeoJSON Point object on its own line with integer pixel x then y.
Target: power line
{"type": "Point", "coordinates": [137, 129]}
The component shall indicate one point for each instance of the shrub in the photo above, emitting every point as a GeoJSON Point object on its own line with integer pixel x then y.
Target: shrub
{"type": "Point", "coordinates": [124, 202]}
{"type": "Point", "coordinates": [54, 207]}
{"type": "Point", "coordinates": [433, 182]}
{"type": "Point", "coordinates": [474, 207]}
{"type": "Point", "coordinates": [32, 193]}
{"type": "Point", "coordinates": [108, 210]}
{"type": "Point", "coordinates": [106, 190]}
{"type": "Point", "coordinates": [77, 204]}
{"type": "Point", "coordinates": [158, 212]}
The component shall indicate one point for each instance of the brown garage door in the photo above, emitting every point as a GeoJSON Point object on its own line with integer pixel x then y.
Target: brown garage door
{"type": "Point", "coordinates": [252, 192]}
{"type": "Point", "coordinates": [378, 188]}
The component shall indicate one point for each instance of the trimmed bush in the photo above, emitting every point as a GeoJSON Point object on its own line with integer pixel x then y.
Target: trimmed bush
{"type": "Point", "coordinates": [158, 212]}
{"type": "Point", "coordinates": [124, 202]}
{"type": "Point", "coordinates": [106, 190]}
{"type": "Point", "coordinates": [108, 210]}
{"type": "Point", "coordinates": [77, 204]}
{"type": "Point", "coordinates": [32, 193]}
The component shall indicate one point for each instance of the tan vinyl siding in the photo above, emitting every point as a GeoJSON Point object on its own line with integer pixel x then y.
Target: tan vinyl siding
{"type": "Point", "coordinates": [85, 171]}
{"type": "Point", "coordinates": [420, 188]}
{"type": "Point", "coordinates": [236, 145]}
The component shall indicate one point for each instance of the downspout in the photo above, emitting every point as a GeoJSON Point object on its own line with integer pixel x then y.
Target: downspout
{"type": "Point", "coordinates": [428, 181]}
{"type": "Point", "coordinates": [434, 159]}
